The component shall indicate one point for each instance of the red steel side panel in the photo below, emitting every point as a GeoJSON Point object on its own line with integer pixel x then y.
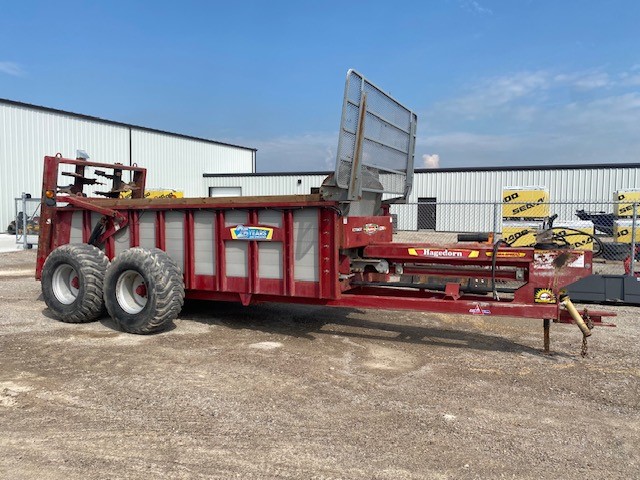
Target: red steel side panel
{"type": "Point", "coordinates": [253, 256]}
{"type": "Point", "coordinates": [221, 263]}
{"type": "Point", "coordinates": [134, 228]}
{"type": "Point", "coordinates": [62, 230]}
{"type": "Point", "coordinates": [287, 252]}
{"type": "Point", "coordinates": [160, 232]}
{"type": "Point", "coordinates": [189, 266]}
{"type": "Point", "coordinates": [328, 254]}
{"type": "Point", "coordinates": [86, 226]}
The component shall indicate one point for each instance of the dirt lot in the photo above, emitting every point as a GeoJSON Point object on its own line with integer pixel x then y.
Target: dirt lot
{"type": "Point", "coordinates": [281, 391]}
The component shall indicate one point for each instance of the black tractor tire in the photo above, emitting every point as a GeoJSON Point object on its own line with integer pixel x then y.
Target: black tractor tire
{"type": "Point", "coordinates": [72, 281]}
{"type": "Point", "coordinates": [143, 290]}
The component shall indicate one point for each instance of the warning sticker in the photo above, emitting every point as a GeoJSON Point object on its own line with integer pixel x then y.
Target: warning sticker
{"type": "Point", "coordinates": [544, 295]}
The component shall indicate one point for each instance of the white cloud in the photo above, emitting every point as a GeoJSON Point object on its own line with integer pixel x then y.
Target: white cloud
{"type": "Point", "coordinates": [592, 80]}
{"type": "Point", "coordinates": [630, 80]}
{"type": "Point", "coordinates": [474, 6]}
{"type": "Point", "coordinates": [11, 68]}
{"type": "Point", "coordinates": [621, 112]}
{"type": "Point", "coordinates": [522, 93]}
{"type": "Point", "coordinates": [431, 161]}
{"type": "Point", "coordinates": [496, 92]}
{"type": "Point", "coordinates": [587, 80]}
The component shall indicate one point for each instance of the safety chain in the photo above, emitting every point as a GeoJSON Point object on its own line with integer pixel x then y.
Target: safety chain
{"type": "Point", "coordinates": [589, 323]}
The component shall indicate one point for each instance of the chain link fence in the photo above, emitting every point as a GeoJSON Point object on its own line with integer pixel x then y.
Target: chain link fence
{"type": "Point", "coordinates": [610, 229]}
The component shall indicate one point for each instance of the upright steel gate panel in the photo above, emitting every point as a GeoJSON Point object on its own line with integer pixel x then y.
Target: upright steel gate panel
{"type": "Point", "coordinates": [377, 141]}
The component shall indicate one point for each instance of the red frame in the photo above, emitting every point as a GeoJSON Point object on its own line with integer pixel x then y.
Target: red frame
{"type": "Point", "coordinates": [338, 239]}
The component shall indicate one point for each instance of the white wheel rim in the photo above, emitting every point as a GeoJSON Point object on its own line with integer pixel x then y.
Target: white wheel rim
{"type": "Point", "coordinates": [131, 292]}
{"type": "Point", "coordinates": [65, 284]}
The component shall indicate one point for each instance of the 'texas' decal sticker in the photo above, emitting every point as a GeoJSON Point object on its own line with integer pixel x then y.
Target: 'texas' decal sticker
{"type": "Point", "coordinates": [251, 233]}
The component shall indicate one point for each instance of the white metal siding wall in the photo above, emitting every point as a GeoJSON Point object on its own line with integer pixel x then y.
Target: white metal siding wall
{"type": "Point", "coordinates": [178, 163]}
{"type": "Point", "coordinates": [27, 135]}
{"type": "Point", "coordinates": [565, 185]}
{"type": "Point", "coordinates": [268, 184]}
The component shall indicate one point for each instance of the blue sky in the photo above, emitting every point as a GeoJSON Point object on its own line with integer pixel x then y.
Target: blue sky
{"type": "Point", "coordinates": [512, 82]}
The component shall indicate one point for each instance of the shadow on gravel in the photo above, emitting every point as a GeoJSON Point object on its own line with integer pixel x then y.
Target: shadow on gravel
{"type": "Point", "coordinates": [302, 321]}
{"type": "Point", "coordinates": [106, 321]}
{"type": "Point", "coordinates": [47, 313]}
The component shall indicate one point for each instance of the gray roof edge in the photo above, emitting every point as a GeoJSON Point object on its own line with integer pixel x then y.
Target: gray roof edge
{"type": "Point", "coordinates": [260, 174]}
{"type": "Point", "coordinates": [444, 170]}
{"type": "Point", "coordinates": [118, 124]}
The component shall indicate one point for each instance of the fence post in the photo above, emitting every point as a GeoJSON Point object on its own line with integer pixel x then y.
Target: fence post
{"type": "Point", "coordinates": [633, 239]}
{"type": "Point", "coordinates": [25, 245]}
{"type": "Point", "coordinates": [495, 220]}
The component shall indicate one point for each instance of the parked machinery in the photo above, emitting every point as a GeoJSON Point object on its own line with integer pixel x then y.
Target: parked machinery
{"type": "Point", "coordinates": [140, 257]}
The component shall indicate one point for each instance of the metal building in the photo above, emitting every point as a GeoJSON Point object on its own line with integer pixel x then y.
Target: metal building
{"type": "Point", "coordinates": [461, 199]}
{"type": "Point", "coordinates": [29, 132]}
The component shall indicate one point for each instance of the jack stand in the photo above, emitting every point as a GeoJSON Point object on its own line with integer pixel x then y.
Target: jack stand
{"type": "Point", "coordinates": [546, 324]}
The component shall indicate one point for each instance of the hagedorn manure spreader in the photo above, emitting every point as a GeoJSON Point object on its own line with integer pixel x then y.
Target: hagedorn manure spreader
{"type": "Point", "coordinates": [141, 257]}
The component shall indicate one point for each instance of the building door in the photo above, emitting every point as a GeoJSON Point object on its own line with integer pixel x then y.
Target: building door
{"type": "Point", "coordinates": [225, 191]}
{"type": "Point", "coordinates": [427, 213]}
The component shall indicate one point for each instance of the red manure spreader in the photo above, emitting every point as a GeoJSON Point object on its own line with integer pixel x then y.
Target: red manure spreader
{"type": "Point", "coordinates": [141, 257]}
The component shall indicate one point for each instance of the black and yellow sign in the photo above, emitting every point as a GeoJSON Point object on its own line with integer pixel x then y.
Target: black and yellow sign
{"type": "Point", "coordinates": [525, 202]}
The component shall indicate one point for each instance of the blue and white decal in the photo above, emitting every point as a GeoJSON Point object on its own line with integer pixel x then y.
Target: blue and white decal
{"type": "Point", "coordinates": [241, 232]}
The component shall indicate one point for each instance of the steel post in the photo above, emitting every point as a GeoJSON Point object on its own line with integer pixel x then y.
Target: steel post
{"type": "Point", "coordinates": [25, 245]}
{"type": "Point", "coordinates": [633, 239]}
{"type": "Point", "coordinates": [546, 325]}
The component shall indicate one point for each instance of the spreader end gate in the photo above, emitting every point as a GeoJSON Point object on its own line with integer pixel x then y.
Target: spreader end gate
{"type": "Point", "coordinates": [376, 145]}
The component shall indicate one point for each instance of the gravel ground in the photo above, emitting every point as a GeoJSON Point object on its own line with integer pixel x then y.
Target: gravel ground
{"type": "Point", "coordinates": [282, 391]}
{"type": "Point", "coordinates": [8, 243]}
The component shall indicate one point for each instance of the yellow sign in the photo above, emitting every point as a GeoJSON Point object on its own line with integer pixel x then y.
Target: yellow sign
{"type": "Point", "coordinates": [578, 237]}
{"type": "Point", "coordinates": [520, 234]}
{"type": "Point", "coordinates": [525, 202]}
{"type": "Point", "coordinates": [622, 231]}
{"type": "Point", "coordinates": [624, 200]}
{"type": "Point", "coordinates": [159, 193]}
